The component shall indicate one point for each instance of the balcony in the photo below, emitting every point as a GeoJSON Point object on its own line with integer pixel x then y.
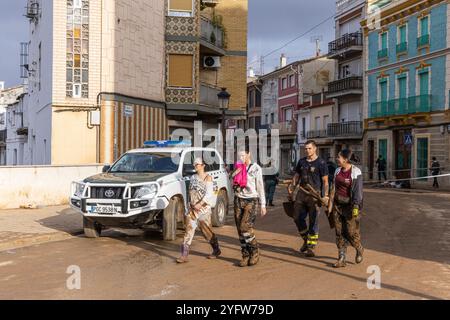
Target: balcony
{"type": "Point", "coordinates": [346, 45]}
{"type": "Point", "coordinates": [346, 130]}
{"type": "Point", "coordinates": [212, 38]}
{"type": "Point", "coordinates": [423, 41]}
{"type": "Point", "coordinates": [285, 128]}
{"type": "Point", "coordinates": [210, 3]}
{"type": "Point", "coordinates": [208, 95]}
{"type": "Point", "coordinates": [23, 131]}
{"type": "Point", "coordinates": [346, 86]}
{"type": "Point", "coordinates": [383, 53]}
{"type": "Point", "coordinates": [402, 106]}
{"type": "Point", "coordinates": [315, 134]}
{"type": "Point", "coordinates": [402, 47]}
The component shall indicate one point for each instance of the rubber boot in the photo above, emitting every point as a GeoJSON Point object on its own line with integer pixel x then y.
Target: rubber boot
{"type": "Point", "coordinates": [245, 259]}
{"type": "Point", "coordinates": [359, 255]}
{"type": "Point", "coordinates": [216, 248]}
{"type": "Point", "coordinates": [310, 253]}
{"type": "Point", "coordinates": [304, 247]}
{"type": "Point", "coordinates": [341, 261]}
{"type": "Point", "coordinates": [254, 257]}
{"type": "Point", "coordinates": [184, 254]}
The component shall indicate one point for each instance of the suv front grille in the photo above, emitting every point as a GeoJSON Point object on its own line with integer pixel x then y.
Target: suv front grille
{"type": "Point", "coordinates": [107, 192]}
{"type": "Point", "coordinates": [110, 192]}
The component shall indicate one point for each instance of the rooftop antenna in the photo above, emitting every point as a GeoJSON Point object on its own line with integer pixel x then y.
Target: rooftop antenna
{"type": "Point", "coordinates": [317, 40]}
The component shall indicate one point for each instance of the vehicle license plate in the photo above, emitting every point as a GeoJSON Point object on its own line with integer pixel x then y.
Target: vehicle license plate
{"type": "Point", "coordinates": [100, 209]}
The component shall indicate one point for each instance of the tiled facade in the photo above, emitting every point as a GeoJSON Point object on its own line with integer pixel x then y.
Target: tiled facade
{"type": "Point", "coordinates": [407, 83]}
{"type": "Point", "coordinates": [189, 33]}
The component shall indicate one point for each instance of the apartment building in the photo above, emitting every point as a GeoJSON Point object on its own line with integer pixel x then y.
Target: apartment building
{"type": "Point", "coordinates": [206, 50]}
{"type": "Point", "coordinates": [407, 87]}
{"type": "Point", "coordinates": [347, 88]}
{"type": "Point", "coordinates": [96, 72]}
{"type": "Point", "coordinates": [254, 101]}
{"type": "Point", "coordinates": [8, 96]}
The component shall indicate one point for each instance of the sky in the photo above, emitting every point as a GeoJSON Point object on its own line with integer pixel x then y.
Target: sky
{"type": "Point", "coordinates": [272, 23]}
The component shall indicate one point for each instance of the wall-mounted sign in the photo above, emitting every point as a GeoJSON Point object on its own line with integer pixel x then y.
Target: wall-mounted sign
{"type": "Point", "coordinates": [408, 139]}
{"type": "Point", "coordinates": [128, 110]}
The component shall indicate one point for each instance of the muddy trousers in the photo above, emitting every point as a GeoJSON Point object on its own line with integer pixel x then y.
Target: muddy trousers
{"type": "Point", "coordinates": [245, 211]}
{"type": "Point", "coordinates": [347, 229]}
{"type": "Point", "coordinates": [198, 219]}
{"type": "Point", "coordinates": [306, 208]}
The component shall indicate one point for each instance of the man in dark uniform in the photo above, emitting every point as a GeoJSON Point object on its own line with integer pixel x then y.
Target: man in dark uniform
{"type": "Point", "coordinates": [435, 171]}
{"type": "Point", "coordinates": [311, 170]}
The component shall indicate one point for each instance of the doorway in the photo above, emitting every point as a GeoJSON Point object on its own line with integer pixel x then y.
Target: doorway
{"type": "Point", "coordinates": [371, 158]}
{"type": "Point", "coordinates": [403, 154]}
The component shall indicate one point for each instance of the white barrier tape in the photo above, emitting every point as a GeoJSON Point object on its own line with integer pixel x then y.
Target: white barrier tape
{"type": "Point", "coordinates": [418, 178]}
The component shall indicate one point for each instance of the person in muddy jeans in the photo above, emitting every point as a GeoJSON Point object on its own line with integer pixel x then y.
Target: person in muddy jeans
{"type": "Point", "coordinates": [246, 203]}
{"type": "Point", "coordinates": [347, 196]}
{"type": "Point", "coordinates": [201, 196]}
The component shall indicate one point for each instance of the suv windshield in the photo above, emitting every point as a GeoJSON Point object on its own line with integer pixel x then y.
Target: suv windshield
{"type": "Point", "coordinates": [145, 163]}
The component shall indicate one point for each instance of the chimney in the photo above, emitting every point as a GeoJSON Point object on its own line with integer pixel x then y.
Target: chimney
{"type": "Point", "coordinates": [251, 73]}
{"type": "Point", "coordinates": [283, 61]}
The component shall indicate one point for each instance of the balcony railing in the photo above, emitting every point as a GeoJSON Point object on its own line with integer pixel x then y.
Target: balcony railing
{"type": "Point", "coordinates": [211, 33]}
{"type": "Point", "coordinates": [402, 47]}
{"type": "Point", "coordinates": [402, 106]}
{"type": "Point", "coordinates": [423, 40]}
{"type": "Point", "coordinates": [346, 41]}
{"type": "Point", "coordinates": [208, 95]}
{"type": "Point", "coordinates": [345, 129]}
{"type": "Point", "coordinates": [285, 128]}
{"type": "Point", "coordinates": [314, 134]}
{"type": "Point", "coordinates": [383, 53]}
{"type": "Point", "coordinates": [350, 83]}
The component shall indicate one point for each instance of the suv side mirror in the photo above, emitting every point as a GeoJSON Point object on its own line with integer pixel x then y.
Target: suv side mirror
{"type": "Point", "coordinates": [188, 170]}
{"type": "Point", "coordinates": [106, 168]}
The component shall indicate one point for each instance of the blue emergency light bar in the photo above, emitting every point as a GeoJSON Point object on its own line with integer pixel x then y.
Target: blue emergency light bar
{"type": "Point", "coordinates": [167, 144]}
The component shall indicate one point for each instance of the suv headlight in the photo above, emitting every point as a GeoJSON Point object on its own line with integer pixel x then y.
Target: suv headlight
{"type": "Point", "coordinates": [146, 192]}
{"type": "Point", "coordinates": [79, 189]}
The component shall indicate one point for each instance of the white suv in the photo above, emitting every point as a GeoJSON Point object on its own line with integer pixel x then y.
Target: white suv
{"type": "Point", "coordinates": [148, 189]}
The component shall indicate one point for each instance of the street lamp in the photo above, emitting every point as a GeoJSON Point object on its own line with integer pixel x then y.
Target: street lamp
{"type": "Point", "coordinates": [224, 101]}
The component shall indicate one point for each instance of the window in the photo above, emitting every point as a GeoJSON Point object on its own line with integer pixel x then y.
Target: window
{"type": "Point", "coordinates": [383, 90]}
{"type": "Point", "coordinates": [402, 93]}
{"type": "Point", "coordinates": [288, 114]}
{"type": "Point", "coordinates": [284, 83]}
{"type": "Point", "coordinates": [345, 71]}
{"type": "Point", "coordinates": [181, 70]}
{"type": "Point", "coordinates": [2, 118]}
{"type": "Point", "coordinates": [292, 80]}
{"type": "Point", "coordinates": [257, 98]}
{"type": "Point", "coordinates": [326, 121]}
{"type": "Point", "coordinates": [251, 101]}
{"type": "Point", "coordinates": [423, 26]}
{"type": "Point", "coordinates": [77, 49]}
{"type": "Point", "coordinates": [180, 8]}
{"type": "Point", "coordinates": [317, 123]}
{"type": "Point", "coordinates": [384, 41]}
{"type": "Point", "coordinates": [272, 118]}
{"type": "Point", "coordinates": [424, 82]}
{"type": "Point", "coordinates": [401, 34]}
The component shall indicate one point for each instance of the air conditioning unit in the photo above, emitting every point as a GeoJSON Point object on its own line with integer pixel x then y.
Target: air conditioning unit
{"type": "Point", "coordinates": [211, 62]}
{"type": "Point", "coordinates": [32, 10]}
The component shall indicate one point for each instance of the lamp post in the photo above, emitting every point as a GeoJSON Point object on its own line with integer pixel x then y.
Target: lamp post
{"type": "Point", "coordinates": [224, 101]}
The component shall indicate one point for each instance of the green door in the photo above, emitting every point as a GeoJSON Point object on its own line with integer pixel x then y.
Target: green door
{"type": "Point", "coordinates": [424, 105]}
{"type": "Point", "coordinates": [382, 148]}
{"type": "Point", "coordinates": [383, 97]}
{"type": "Point", "coordinates": [402, 95]}
{"type": "Point", "coordinates": [422, 157]}
{"type": "Point", "coordinates": [384, 39]}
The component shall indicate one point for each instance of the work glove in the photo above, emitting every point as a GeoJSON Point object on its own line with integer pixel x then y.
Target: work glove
{"type": "Point", "coordinates": [355, 212]}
